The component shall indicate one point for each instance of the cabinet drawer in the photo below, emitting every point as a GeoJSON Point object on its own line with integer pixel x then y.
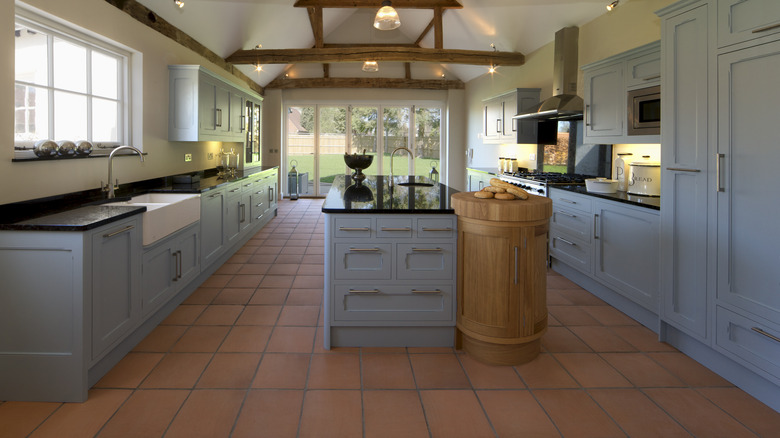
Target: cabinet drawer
{"type": "Point", "coordinates": [425, 261]}
{"type": "Point", "coordinates": [571, 201]}
{"type": "Point", "coordinates": [363, 261]}
{"type": "Point", "coordinates": [352, 227]}
{"type": "Point", "coordinates": [373, 303]}
{"type": "Point", "coordinates": [740, 20]}
{"type": "Point", "coordinates": [442, 228]}
{"type": "Point", "coordinates": [394, 227]}
{"type": "Point", "coordinates": [743, 340]}
{"type": "Point", "coordinates": [247, 185]}
{"type": "Point", "coordinates": [234, 190]}
{"type": "Point", "coordinates": [573, 252]}
{"type": "Point", "coordinates": [572, 222]}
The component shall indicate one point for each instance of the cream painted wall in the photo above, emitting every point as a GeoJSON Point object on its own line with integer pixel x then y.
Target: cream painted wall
{"type": "Point", "coordinates": [29, 180]}
{"type": "Point", "coordinates": [632, 24]}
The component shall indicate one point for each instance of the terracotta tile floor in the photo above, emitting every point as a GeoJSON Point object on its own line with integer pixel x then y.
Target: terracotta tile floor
{"type": "Point", "coordinates": [243, 357]}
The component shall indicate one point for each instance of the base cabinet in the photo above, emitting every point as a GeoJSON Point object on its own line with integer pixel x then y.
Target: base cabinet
{"type": "Point", "coordinates": [213, 224]}
{"type": "Point", "coordinates": [168, 266]}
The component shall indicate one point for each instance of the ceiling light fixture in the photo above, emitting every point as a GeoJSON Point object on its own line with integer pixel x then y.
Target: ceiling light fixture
{"type": "Point", "coordinates": [613, 5]}
{"type": "Point", "coordinates": [387, 17]}
{"type": "Point", "coordinates": [178, 3]}
{"type": "Point", "coordinates": [492, 69]}
{"type": "Point", "coordinates": [370, 66]}
{"type": "Point", "coordinates": [259, 46]}
{"type": "Point", "coordinates": [258, 68]}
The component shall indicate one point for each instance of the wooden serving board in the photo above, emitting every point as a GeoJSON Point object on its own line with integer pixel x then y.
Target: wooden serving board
{"type": "Point", "coordinates": [518, 210]}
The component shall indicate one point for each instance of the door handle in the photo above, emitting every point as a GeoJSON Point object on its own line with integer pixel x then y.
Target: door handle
{"type": "Point", "coordinates": [365, 291]}
{"type": "Point", "coordinates": [680, 169]}
{"type": "Point", "coordinates": [595, 226]}
{"type": "Point", "coordinates": [364, 249]}
{"type": "Point", "coordinates": [426, 249]}
{"type": "Point", "coordinates": [766, 28]}
{"type": "Point", "coordinates": [435, 291]}
{"type": "Point", "coordinates": [127, 228]}
{"type": "Point", "coordinates": [566, 241]}
{"type": "Point", "coordinates": [718, 158]}
{"type": "Point", "coordinates": [175, 256]}
{"type": "Point", "coordinates": [585, 115]}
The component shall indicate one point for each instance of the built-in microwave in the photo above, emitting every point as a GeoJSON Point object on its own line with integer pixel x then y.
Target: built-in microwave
{"type": "Point", "coordinates": [644, 111]}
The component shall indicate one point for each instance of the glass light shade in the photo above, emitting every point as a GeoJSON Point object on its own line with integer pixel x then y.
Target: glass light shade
{"type": "Point", "coordinates": [370, 66]}
{"type": "Point", "coordinates": [387, 18]}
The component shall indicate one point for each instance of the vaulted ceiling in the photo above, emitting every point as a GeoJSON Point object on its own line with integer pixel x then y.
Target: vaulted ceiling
{"type": "Point", "coordinates": [229, 26]}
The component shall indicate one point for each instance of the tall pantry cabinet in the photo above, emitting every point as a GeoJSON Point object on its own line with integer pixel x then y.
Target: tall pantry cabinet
{"type": "Point", "coordinates": [720, 151]}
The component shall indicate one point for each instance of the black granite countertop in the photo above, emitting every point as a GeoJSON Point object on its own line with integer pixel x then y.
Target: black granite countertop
{"type": "Point", "coordinates": [86, 210]}
{"type": "Point", "coordinates": [651, 202]}
{"type": "Point", "coordinates": [377, 195]}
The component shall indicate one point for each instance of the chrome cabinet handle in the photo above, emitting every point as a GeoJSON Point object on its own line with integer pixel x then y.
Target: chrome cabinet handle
{"type": "Point", "coordinates": [567, 201]}
{"type": "Point", "coordinates": [768, 335]}
{"type": "Point", "coordinates": [353, 229]}
{"type": "Point", "coordinates": [247, 185]}
{"type": "Point", "coordinates": [175, 256]}
{"type": "Point", "coordinates": [218, 116]}
{"type": "Point", "coordinates": [364, 249]}
{"type": "Point", "coordinates": [566, 214]}
{"type": "Point", "coordinates": [498, 126]}
{"type": "Point", "coordinates": [396, 229]}
{"type": "Point", "coordinates": [435, 291]}
{"type": "Point", "coordinates": [595, 226]}
{"type": "Point", "coordinates": [235, 190]}
{"type": "Point", "coordinates": [585, 115]}
{"type": "Point", "coordinates": [650, 78]}
{"type": "Point", "coordinates": [680, 169]}
{"type": "Point", "coordinates": [127, 228]}
{"type": "Point", "coordinates": [766, 28]}
{"type": "Point", "coordinates": [426, 249]}
{"type": "Point", "coordinates": [270, 194]}
{"type": "Point", "coordinates": [215, 195]}
{"type": "Point", "coordinates": [364, 291]}
{"type": "Point", "coordinates": [243, 213]}
{"type": "Point", "coordinates": [437, 229]}
{"type": "Point", "coordinates": [718, 158]}
{"type": "Point", "coordinates": [179, 265]}
{"type": "Point", "coordinates": [566, 241]}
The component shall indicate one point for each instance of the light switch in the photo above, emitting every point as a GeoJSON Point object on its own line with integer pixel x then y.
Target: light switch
{"type": "Point", "coordinates": [187, 157]}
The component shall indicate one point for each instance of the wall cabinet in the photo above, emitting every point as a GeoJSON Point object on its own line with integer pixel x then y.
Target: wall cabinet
{"type": "Point", "coordinates": [740, 20]}
{"type": "Point", "coordinates": [168, 266]}
{"type": "Point", "coordinates": [616, 244]}
{"type": "Point", "coordinates": [498, 125]}
{"type": "Point", "coordinates": [606, 84]}
{"type": "Point", "coordinates": [204, 107]}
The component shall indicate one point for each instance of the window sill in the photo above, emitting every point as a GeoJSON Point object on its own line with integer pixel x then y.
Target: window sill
{"type": "Point", "coordinates": [27, 156]}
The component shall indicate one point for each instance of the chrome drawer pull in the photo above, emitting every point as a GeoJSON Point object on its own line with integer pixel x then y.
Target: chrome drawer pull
{"type": "Point", "coordinates": [215, 195]}
{"type": "Point", "coordinates": [567, 201]}
{"type": "Point", "coordinates": [650, 78]}
{"type": "Point", "coordinates": [235, 190]}
{"type": "Point", "coordinates": [396, 229]}
{"type": "Point", "coordinates": [258, 218]}
{"type": "Point", "coordinates": [567, 214]}
{"type": "Point", "coordinates": [127, 228]}
{"type": "Point", "coordinates": [766, 28]}
{"type": "Point", "coordinates": [247, 185]}
{"type": "Point", "coordinates": [566, 241]}
{"type": "Point", "coordinates": [369, 291]}
{"type": "Point", "coordinates": [436, 291]}
{"type": "Point", "coordinates": [768, 335]}
{"type": "Point", "coordinates": [364, 249]}
{"type": "Point", "coordinates": [426, 249]}
{"type": "Point", "coordinates": [680, 169]}
{"type": "Point", "coordinates": [437, 229]}
{"type": "Point", "coordinates": [353, 229]}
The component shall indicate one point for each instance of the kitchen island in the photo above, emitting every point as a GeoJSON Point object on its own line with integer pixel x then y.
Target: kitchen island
{"type": "Point", "coordinates": [390, 263]}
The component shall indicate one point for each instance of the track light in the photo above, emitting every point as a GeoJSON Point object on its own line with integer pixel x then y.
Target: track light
{"type": "Point", "coordinates": [387, 17]}
{"type": "Point", "coordinates": [179, 3]}
{"type": "Point", "coordinates": [613, 5]}
{"type": "Point", "coordinates": [370, 66]}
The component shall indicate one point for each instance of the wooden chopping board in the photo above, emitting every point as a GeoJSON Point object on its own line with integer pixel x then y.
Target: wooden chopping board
{"type": "Point", "coordinates": [532, 209]}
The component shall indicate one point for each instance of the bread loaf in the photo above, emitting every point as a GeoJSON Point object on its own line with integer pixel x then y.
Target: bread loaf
{"type": "Point", "coordinates": [505, 196]}
{"type": "Point", "coordinates": [510, 188]}
{"type": "Point", "coordinates": [494, 189]}
{"type": "Point", "coordinates": [483, 195]}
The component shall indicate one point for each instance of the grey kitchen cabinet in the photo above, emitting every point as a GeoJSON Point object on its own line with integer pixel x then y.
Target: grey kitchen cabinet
{"type": "Point", "coordinates": [498, 125]}
{"type": "Point", "coordinates": [116, 269]}
{"type": "Point", "coordinates": [477, 179]}
{"type": "Point", "coordinates": [213, 204]}
{"type": "Point", "coordinates": [605, 87]}
{"type": "Point", "coordinates": [613, 243]}
{"type": "Point", "coordinates": [235, 212]}
{"type": "Point", "coordinates": [741, 20]}
{"type": "Point", "coordinates": [390, 279]}
{"type": "Point", "coordinates": [684, 170]}
{"type": "Point", "coordinates": [168, 266]}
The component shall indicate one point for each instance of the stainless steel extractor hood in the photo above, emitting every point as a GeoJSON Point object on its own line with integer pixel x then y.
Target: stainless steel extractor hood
{"type": "Point", "coordinates": [565, 104]}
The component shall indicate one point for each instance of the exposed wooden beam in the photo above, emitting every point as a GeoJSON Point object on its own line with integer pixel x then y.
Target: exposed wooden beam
{"type": "Point", "coordinates": [418, 84]}
{"type": "Point", "coordinates": [438, 29]}
{"type": "Point", "coordinates": [360, 54]}
{"type": "Point", "coordinates": [326, 70]}
{"type": "Point", "coordinates": [398, 4]}
{"type": "Point", "coordinates": [424, 32]}
{"type": "Point", "coordinates": [332, 45]}
{"type": "Point", "coordinates": [149, 18]}
{"type": "Point", "coordinates": [408, 69]}
{"type": "Point", "coordinates": [315, 17]}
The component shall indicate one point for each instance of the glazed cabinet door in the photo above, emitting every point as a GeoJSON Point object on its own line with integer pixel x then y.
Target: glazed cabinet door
{"type": "Point", "coordinates": [685, 100]}
{"type": "Point", "coordinates": [748, 241]}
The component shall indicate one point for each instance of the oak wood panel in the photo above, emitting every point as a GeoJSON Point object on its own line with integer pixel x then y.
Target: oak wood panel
{"type": "Point", "coordinates": [532, 209]}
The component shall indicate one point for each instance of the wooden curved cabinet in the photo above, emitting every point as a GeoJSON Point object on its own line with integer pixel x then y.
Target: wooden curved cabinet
{"type": "Point", "coordinates": [502, 278]}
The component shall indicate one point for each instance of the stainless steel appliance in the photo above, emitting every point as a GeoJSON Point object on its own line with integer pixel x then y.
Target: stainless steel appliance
{"type": "Point", "coordinates": [537, 183]}
{"type": "Point", "coordinates": [644, 111]}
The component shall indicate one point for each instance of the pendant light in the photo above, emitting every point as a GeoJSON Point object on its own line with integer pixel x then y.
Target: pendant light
{"type": "Point", "coordinates": [613, 5]}
{"type": "Point", "coordinates": [387, 17]}
{"type": "Point", "coordinates": [370, 66]}
{"type": "Point", "coordinates": [178, 3]}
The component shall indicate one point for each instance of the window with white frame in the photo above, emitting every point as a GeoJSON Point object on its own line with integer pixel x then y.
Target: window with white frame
{"type": "Point", "coordinates": [68, 86]}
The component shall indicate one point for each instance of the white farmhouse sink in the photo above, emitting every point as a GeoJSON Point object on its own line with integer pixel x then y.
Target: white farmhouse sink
{"type": "Point", "coordinates": [165, 213]}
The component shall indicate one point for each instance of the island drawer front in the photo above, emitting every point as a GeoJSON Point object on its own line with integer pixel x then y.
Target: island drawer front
{"type": "Point", "coordinates": [572, 222]}
{"type": "Point", "coordinates": [394, 227]}
{"type": "Point", "coordinates": [352, 227]}
{"type": "Point", "coordinates": [571, 251]}
{"type": "Point", "coordinates": [363, 261]}
{"type": "Point", "coordinates": [561, 198]}
{"type": "Point", "coordinates": [424, 261]}
{"type": "Point", "coordinates": [749, 342]}
{"type": "Point", "coordinates": [440, 228]}
{"type": "Point", "coordinates": [371, 302]}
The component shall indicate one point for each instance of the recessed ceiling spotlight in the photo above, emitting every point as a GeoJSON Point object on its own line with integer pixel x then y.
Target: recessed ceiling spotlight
{"type": "Point", "coordinates": [443, 76]}
{"type": "Point", "coordinates": [492, 69]}
{"type": "Point", "coordinates": [259, 46]}
{"type": "Point", "coordinates": [258, 68]}
{"type": "Point", "coordinates": [370, 66]}
{"type": "Point", "coordinates": [613, 5]}
{"type": "Point", "coordinates": [387, 17]}
{"type": "Point", "coordinates": [179, 3]}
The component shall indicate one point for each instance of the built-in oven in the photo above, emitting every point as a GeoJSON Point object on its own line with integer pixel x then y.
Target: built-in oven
{"type": "Point", "coordinates": [644, 111]}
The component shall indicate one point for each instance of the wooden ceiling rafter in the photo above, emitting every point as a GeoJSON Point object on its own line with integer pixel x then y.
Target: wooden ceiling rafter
{"type": "Point", "coordinates": [376, 4]}
{"type": "Point", "coordinates": [378, 53]}
{"type": "Point", "coordinates": [396, 83]}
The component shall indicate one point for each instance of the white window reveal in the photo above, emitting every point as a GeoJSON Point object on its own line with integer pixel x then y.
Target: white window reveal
{"type": "Point", "coordinates": [68, 86]}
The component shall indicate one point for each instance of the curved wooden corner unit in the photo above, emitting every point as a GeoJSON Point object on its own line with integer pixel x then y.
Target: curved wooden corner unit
{"type": "Point", "coordinates": [502, 277]}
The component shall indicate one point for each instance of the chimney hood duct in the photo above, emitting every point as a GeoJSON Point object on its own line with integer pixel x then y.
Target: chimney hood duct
{"type": "Point", "coordinates": [565, 104]}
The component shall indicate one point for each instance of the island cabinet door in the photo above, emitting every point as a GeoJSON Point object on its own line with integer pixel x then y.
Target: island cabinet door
{"type": "Point", "coordinates": [367, 261]}
{"type": "Point", "coordinates": [424, 261]}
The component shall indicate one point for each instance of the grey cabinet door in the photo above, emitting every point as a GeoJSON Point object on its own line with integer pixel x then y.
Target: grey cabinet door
{"type": "Point", "coordinates": [233, 216]}
{"type": "Point", "coordinates": [748, 241]}
{"type": "Point", "coordinates": [684, 171]}
{"type": "Point", "coordinates": [493, 121]}
{"type": "Point", "coordinates": [158, 277]}
{"type": "Point", "coordinates": [189, 260]}
{"type": "Point", "coordinates": [212, 223]}
{"type": "Point", "coordinates": [605, 101]}
{"type": "Point", "coordinates": [740, 20]}
{"type": "Point", "coordinates": [115, 274]}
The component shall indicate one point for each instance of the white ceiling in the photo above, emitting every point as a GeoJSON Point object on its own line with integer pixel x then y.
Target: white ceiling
{"type": "Point", "coordinates": [225, 26]}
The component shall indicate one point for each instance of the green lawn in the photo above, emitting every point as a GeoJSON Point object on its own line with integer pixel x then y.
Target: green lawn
{"type": "Point", "coordinates": [333, 164]}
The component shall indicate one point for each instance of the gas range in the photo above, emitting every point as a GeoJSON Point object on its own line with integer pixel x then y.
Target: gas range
{"type": "Point", "coordinates": [537, 183]}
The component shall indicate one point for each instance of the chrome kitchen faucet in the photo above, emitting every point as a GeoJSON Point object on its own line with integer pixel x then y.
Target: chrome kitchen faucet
{"type": "Point", "coordinates": [110, 186]}
{"type": "Point", "coordinates": [392, 154]}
